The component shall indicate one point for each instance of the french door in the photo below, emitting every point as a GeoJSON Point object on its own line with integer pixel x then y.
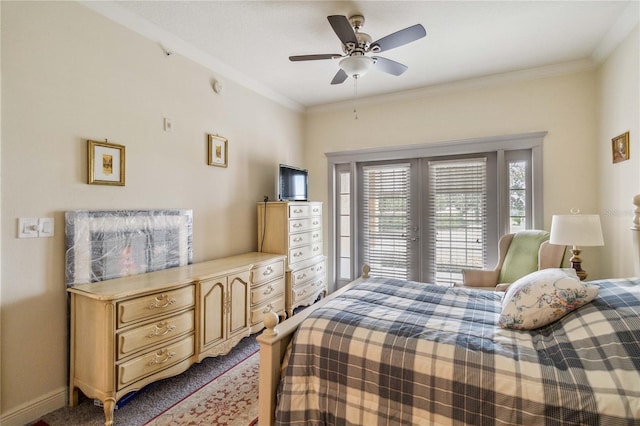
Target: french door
{"type": "Point", "coordinates": [389, 225]}
{"type": "Point", "coordinates": [427, 219]}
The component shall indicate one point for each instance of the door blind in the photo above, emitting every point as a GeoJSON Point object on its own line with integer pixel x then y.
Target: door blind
{"type": "Point", "coordinates": [386, 211]}
{"type": "Point", "coordinates": [457, 217]}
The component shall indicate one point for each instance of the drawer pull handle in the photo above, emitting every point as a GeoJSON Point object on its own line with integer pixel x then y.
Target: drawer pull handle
{"type": "Point", "coordinates": [162, 302]}
{"type": "Point", "coordinates": [316, 235]}
{"type": "Point", "coordinates": [297, 239]}
{"type": "Point", "coordinates": [316, 210]}
{"type": "Point", "coordinates": [316, 248]}
{"type": "Point", "coordinates": [315, 222]}
{"type": "Point", "coordinates": [297, 225]}
{"type": "Point", "coordinates": [302, 276]}
{"type": "Point", "coordinates": [298, 254]}
{"type": "Point", "coordinates": [161, 357]}
{"type": "Point", "coordinates": [267, 309]}
{"type": "Point", "coordinates": [297, 210]}
{"type": "Point", "coordinates": [302, 293]}
{"type": "Point", "coordinates": [269, 289]}
{"type": "Point", "coordinates": [268, 271]}
{"type": "Point", "coordinates": [161, 329]}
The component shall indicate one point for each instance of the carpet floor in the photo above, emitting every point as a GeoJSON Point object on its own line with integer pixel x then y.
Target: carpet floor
{"type": "Point", "coordinates": [157, 402]}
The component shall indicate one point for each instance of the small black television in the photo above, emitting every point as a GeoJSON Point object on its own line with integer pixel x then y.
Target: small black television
{"type": "Point", "coordinates": [292, 183]}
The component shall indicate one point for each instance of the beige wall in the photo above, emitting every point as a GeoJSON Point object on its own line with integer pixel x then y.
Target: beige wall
{"type": "Point", "coordinates": [68, 75]}
{"type": "Point", "coordinates": [619, 112]}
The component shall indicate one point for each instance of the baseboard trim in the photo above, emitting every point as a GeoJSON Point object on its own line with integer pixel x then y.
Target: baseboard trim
{"type": "Point", "coordinates": [33, 410]}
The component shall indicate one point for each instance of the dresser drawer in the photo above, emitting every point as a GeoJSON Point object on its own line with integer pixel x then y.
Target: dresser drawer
{"type": "Point", "coordinates": [154, 333]}
{"type": "Point", "coordinates": [299, 239]}
{"type": "Point", "coordinates": [316, 223]}
{"type": "Point", "coordinates": [303, 275]}
{"type": "Point", "coordinates": [275, 305]}
{"type": "Point", "coordinates": [267, 291]}
{"type": "Point", "coordinates": [155, 304]}
{"type": "Point", "coordinates": [302, 238]}
{"type": "Point", "coordinates": [299, 210]}
{"type": "Point", "coordinates": [299, 225]}
{"type": "Point", "coordinates": [307, 291]}
{"type": "Point", "coordinates": [316, 209]}
{"type": "Point", "coordinates": [316, 235]}
{"type": "Point", "coordinates": [268, 272]}
{"type": "Point", "coordinates": [152, 362]}
{"type": "Point", "coordinates": [298, 254]}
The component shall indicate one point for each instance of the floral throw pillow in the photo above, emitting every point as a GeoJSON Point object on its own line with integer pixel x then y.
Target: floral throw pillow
{"type": "Point", "coordinates": [543, 297]}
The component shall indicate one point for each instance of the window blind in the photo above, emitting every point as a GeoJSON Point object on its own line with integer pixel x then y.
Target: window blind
{"type": "Point", "coordinates": [457, 203]}
{"type": "Point", "coordinates": [386, 212]}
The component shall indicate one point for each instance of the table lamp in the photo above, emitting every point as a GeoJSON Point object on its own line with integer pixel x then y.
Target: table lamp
{"type": "Point", "coordinates": [576, 230]}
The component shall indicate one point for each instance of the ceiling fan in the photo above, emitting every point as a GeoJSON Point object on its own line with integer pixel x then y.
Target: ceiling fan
{"type": "Point", "coordinates": [356, 45]}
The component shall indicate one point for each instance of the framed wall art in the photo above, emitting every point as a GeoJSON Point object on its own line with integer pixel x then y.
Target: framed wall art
{"type": "Point", "coordinates": [217, 151]}
{"type": "Point", "coordinates": [620, 147]}
{"type": "Point", "coordinates": [106, 163]}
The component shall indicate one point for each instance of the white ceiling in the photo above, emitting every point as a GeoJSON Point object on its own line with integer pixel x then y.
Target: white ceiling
{"type": "Point", "coordinates": [250, 41]}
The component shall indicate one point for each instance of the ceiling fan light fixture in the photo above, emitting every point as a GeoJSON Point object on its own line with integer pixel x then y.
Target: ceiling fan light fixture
{"type": "Point", "coordinates": [356, 66]}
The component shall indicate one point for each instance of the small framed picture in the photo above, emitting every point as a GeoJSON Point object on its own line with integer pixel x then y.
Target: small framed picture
{"type": "Point", "coordinates": [620, 147]}
{"type": "Point", "coordinates": [106, 163]}
{"type": "Point", "coordinates": [217, 151]}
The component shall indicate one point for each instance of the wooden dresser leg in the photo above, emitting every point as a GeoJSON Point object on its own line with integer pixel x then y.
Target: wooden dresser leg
{"type": "Point", "coordinates": [73, 396]}
{"type": "Point", "coordinates": [109, 406]}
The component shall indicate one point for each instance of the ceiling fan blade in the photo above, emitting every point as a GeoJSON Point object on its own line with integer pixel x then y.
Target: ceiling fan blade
{"type": "Point", "coordinates": [314, 57]}
{"type": "Point", "coordinates": [399, 38]}
{"type": "Point", "coordinates": [340, 77]}
{"type": "Point", "coordinates": [343, 29]}
{"type": "Point", "coordinates": [388, 66]}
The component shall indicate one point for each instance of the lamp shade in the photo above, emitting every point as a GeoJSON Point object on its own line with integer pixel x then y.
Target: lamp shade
{"type": "Point", "coordinates": [356, 65]}
{"type": "Point", "coordinates": [576, 230]}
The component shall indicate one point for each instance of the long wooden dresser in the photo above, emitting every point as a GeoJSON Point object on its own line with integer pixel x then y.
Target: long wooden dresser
{"type": "Point", "coordinates": [129, 332]}
{"type": "Point", "coordinates": [294, 228]}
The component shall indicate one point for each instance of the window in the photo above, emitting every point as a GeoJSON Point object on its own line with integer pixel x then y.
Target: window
{"type": "Point", "coordinates": [519, 178]}
{"type": "Point", "coordinates": [344, 262]}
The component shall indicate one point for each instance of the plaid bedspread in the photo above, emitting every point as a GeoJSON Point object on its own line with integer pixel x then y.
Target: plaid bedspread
{"type": "Point", "coordinates": [392, 352]}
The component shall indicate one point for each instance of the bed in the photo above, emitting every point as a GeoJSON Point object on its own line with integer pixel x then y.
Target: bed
{"type": "Point", "coordinates": [382, 351]}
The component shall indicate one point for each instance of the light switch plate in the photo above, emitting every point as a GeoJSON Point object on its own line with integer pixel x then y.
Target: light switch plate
{"type": "Point", "coordinates": [45, 227]}
{"type": "Point", "coordinates": [27, 227]}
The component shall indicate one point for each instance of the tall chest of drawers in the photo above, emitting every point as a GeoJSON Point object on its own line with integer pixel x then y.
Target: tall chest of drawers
{"type": "Point", "coordinates": [295, 230]}
{"type": "Point", "coordinates": [131, 331]}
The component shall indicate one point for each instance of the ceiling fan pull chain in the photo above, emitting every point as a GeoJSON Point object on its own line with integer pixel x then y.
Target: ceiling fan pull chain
{"type": "Point", "coordinates": [355, 97]}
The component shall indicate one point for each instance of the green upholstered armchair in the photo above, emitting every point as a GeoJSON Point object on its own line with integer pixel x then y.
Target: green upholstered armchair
{"type": "Point", "coordinates": [519, 254]}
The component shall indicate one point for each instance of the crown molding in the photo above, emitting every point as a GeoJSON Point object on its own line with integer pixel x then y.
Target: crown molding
{"type": "Point", "coordinates": [173, 44]}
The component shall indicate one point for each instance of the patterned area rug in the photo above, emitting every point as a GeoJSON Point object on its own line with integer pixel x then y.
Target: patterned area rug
{"type": "Point", "coordinates": [161, 396]}
{"type": "Point", "coordinates": [230, 399]}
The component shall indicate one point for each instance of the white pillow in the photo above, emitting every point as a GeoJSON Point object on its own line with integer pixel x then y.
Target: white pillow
{"type": "Point", "coordinates": [543, 297]}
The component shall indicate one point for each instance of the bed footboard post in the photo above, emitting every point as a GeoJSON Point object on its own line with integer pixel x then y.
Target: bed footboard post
{"type": "Point", "coordinates": [270, 364]}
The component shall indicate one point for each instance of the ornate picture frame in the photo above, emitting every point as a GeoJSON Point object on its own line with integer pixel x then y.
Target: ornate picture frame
{"type": "Point", "coordinates": [217, 155]}
{"type": "Point", "coordinates": [620, 147]}
{"type": "Point", "coordinates": [105, 163]}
